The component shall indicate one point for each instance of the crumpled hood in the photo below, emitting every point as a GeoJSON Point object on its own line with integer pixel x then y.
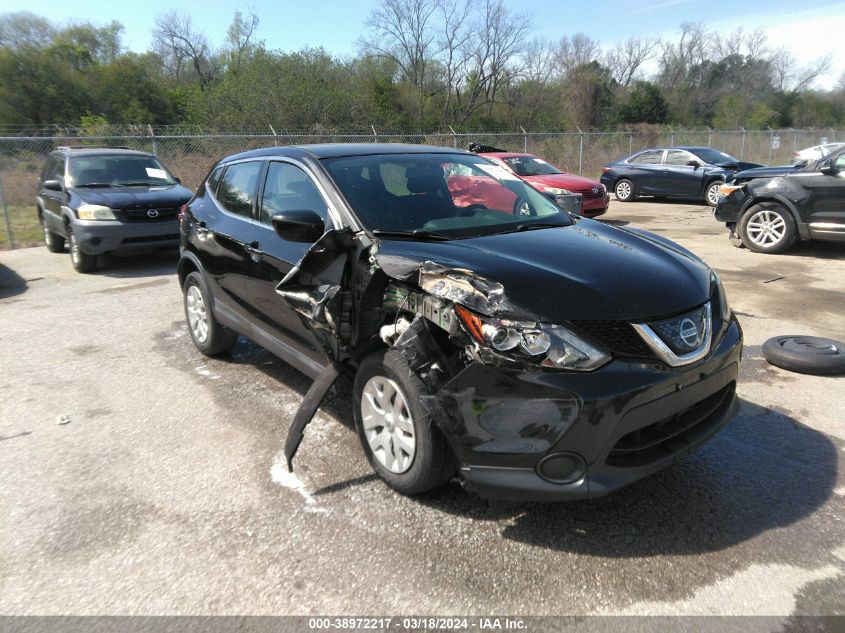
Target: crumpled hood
{"type": "Point", "coordinates": [588, 271]}
{"type": "Point", "coordinates": [563, 181]}
{"type": "Point", "coordinates": [135, 197]}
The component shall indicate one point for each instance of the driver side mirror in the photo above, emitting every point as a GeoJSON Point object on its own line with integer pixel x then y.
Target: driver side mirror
{"type": "Point", "coordinates": [828, 168]}
{"type": "Point", "coordinates": [299, 226]}
{"type": "Point", "coordinates": [52, 185]}
{"type": "Point", "coordinates": [694, 163]}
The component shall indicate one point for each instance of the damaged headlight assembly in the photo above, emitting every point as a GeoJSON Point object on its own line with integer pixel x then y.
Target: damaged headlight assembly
{"type": "Point", "coordinates": [547, 345]}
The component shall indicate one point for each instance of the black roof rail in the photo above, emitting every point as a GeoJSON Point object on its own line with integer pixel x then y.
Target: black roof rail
{"type": "Point", "coordinates": [95, 147]}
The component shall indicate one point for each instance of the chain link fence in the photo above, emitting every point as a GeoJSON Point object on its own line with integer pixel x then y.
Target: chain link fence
{"type": "Point", "coordinates": [189, 153]}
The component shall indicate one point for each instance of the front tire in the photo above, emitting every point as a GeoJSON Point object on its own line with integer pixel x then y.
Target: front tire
{"type": "Point", "coordinates": [208, 335]}
{"type": "Point", "coordinates": [54, 243]}
{"type": "Point", "coordinates": [400, 439]}
{"type": "Point", "coordinates": [711, 194]}
{"type": "Point", "coordinates": [82, 262]}
{"type": "Point", "coordinates": [624, 190]}
{"type": "Point", "coordinates": [767, 228]}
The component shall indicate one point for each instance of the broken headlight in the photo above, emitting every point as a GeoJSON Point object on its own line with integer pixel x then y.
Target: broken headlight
{"type": "Point", "coordinates": [544, 344]}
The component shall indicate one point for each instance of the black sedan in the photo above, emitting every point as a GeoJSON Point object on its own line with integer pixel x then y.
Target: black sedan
{"type": "Point", "coordinates": [678, 172]}
{"type": "Point", "coordinates": [768, 215]}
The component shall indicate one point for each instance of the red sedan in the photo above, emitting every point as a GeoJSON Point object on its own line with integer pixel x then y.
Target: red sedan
{"type": "Point", "coordinates": [550, 180]}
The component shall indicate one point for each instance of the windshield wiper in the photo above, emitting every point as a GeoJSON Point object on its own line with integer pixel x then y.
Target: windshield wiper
{"type": "Point", "coordinates": [538, 225]}
{"type": "Point", "coordinates": [99, 184]}
{"type": "Point", "coordinates": [417, 234]}
{"type": "Point", "coordinates": [144, 184]}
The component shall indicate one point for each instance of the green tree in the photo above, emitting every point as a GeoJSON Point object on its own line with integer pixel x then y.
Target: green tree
{"type": "Point", "coordinates": [644, 104]}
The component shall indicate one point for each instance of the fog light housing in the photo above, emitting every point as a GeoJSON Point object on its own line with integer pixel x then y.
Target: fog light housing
{"type": "Point", "coordinates": [562, 468]}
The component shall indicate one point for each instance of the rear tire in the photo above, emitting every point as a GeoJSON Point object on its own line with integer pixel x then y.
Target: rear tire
{"type": "Point", "coordinates": [208, 335]}
{"type": "Point", "coordinates": [82, 262]}
{"type": "Point", "coordinates": [413, 456]}
{"type": "Point", "coordinates": [624, 191]}
{"type": "Point", "coordinates": [767, 227]}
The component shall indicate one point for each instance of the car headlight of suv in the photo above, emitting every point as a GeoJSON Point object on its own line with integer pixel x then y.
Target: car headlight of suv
{"type": "Point", "coordinates": [724, 308]}
{"type": "Point", "coordinates": [95, 212]}
{"type": "Point", "coordinates": [543, 344]}
{"type": "Point", "coordinates": [727, 190]}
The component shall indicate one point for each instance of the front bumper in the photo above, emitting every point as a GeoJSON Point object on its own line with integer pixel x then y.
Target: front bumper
{"type": "Point", "coordinates": [96, 237]}
{"type": "Point", "coordinates": [729, 208]}
{"type": "Point", "coordinates": [616, 425]}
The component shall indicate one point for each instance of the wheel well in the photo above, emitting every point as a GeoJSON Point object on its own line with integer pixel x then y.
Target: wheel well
{"type": "Point", "coordinates": [185, 267]}
{"type": "Point", "coordinates": [711, 181]}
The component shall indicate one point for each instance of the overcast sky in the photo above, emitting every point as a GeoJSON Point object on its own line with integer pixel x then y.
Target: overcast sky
{"type": "Point", "coordinates": [809, 28]}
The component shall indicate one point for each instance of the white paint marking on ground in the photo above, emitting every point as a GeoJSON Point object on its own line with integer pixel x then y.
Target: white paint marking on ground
{"type": "Point", "coordinates": [202, 370]}
{"type": "Point", "coordinates": [281, 475]}
{"type": "Point", "coordinates": [762, 590]}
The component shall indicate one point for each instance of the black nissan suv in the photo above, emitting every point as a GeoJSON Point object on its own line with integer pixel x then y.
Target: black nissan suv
{"type": "Point", "coordinates": [535, 355]}
{"type": "Point", "coordinates": [107, 200]}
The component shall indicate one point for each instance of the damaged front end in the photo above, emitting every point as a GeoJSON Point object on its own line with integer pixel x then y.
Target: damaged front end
{"type": "Point", "coordinates": [444, 321]}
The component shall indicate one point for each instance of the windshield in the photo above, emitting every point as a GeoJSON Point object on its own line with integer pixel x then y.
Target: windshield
{"type": "Point", "coordinates": [450, 195]}
{"type": "Point", "coordinates": [531, 166]}
{"type": "Point", "coordinates": [117, 170]}
{"type": "Point", "coordinates": [712, 156]}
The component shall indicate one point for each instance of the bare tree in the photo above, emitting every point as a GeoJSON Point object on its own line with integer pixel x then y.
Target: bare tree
{"type": "Point", "coordinates": [789, 76]}
{"type": "Point", "coordinates": [239, 36]}
{"type": "Point", "coordinates": [678, 58]}
{"type": "Point", "coordinates": [538, 68]}
{"type": "Point", "coordinates": [575, 51]}
{"type": "Point", "coordinates": [24, 29]}
{"type": "Point", "coordinates": [452, 42]}
{"type": "Point", "coordinates": [498, 39]}
{"type": "Point", "coordinates": [403, 31]}
{"type": "Point", "coordinates": [627, 58]}
{"type": "Point", "coordinates": [181, 46]}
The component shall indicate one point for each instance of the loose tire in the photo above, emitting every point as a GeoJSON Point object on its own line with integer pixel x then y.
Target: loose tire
{"type": "Point", "coordinates": [711, 194]}
{"type": "Point", "coordinates": [54, 243]}
{"type": "Point", "coordinates": [624, 190]}
{"type": "Point", "coordinates": [208, 335]}
{"type": "Point", "coordinates": [82, 262]}
{"type": "Point", "coordinates": [806, 354]}
{"type": "Point", "coordinates": [767, 227]}
{"type": "Point", "coordinates": [400, 439]}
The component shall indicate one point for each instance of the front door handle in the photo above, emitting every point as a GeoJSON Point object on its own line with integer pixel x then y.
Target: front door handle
{"type": "Point", "coordinates": [202, 230]}
{"type": "Point", "coordinates": [254, 250]}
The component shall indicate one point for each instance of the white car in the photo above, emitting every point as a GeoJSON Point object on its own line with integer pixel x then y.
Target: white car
{"type": "Point", "coordinates": [816, 152]}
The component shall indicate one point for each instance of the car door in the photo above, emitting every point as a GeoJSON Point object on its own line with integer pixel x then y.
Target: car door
{"type": "Point", "coordinates": [224, 231]}
{"type": "Point", "coordinates": [677, 177]}
{"type": "Point", "coordinates": [287, 187]}
{"type": "Point", "coordinates": [825, 192]}
{"type": "Point", "coordinates": [644, 170]}
{"type": "Point", "coordinates": [51, 200]}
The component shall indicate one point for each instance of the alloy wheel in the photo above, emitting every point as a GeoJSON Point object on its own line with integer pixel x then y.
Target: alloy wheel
{"type": "Point", "coordinates": [197, 314]}
{"type": "Point", "coordinates": [713, 194]}
{"type": "Point", "coordinates": [388, 424]}
{"type": "Point", "coordinates": [766, 228]}
{"type": "Point", "coordinates": [623, 190]}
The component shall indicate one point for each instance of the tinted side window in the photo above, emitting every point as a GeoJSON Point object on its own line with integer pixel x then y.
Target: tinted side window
{"type": "Point", "coordinates": [678, 157]}
{"type": "Point", "coordinates": [839, 162]}
{"type": "Point", "coordinates": [54, 169]}
{"type": "Point", "coordinates": [649, 157]}
{"type": "Point", "coordinates": [289, 188]}
{"type": "Point", "coordinates": [214, 180]}
{"type": "Point", "coordinates": [236, 191]}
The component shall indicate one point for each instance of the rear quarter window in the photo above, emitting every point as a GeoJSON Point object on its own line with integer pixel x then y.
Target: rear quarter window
{"type": "Point", "coordinates": [236, 190]}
